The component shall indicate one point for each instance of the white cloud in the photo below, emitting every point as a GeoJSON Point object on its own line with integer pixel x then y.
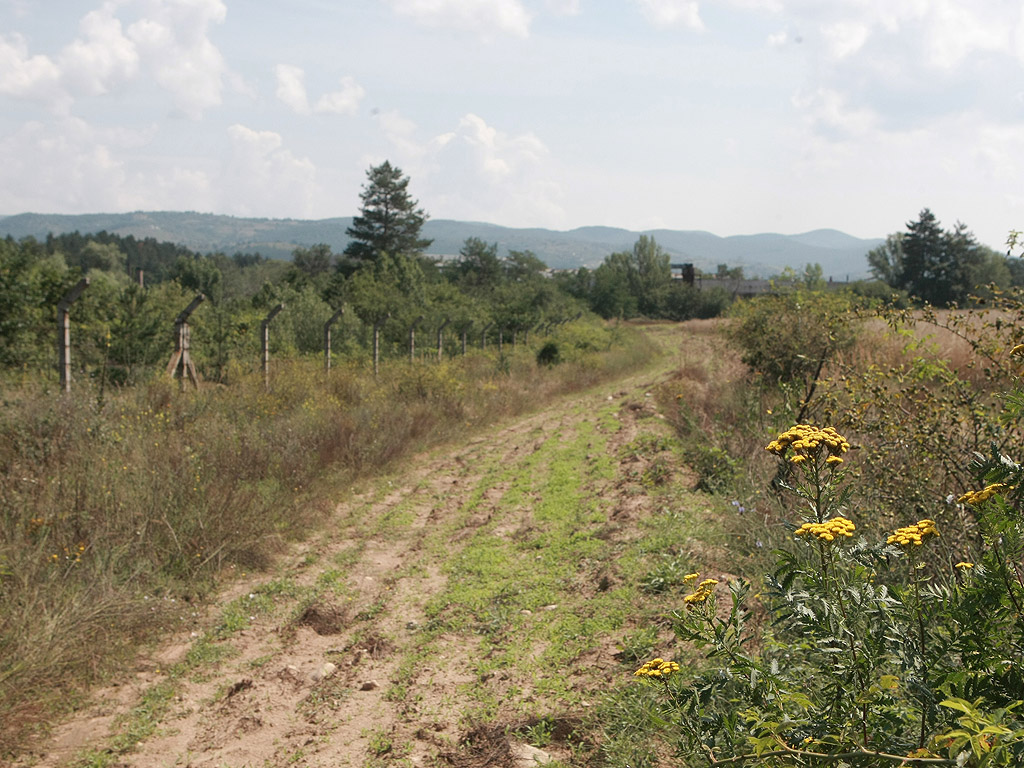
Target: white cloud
{"type": "Point", "coordinates": [25, 76]}
{"type": "Point", "coordinates": [261, 177]}
{"type": "Point", "coordinates": [845, 38]}
{"type": "Point", "coordinates": [478, 172]}
{"type": "Point", "coordinates": [170, 42]}
{"type": "Point", "coordinates": [173, 41]}
{"type": "Point", "coordinates": [343, 101]}
{"type": "Point", "coordinates": [483, 17]}
{"type": "Point", "coordinates": [67, 166]}
{"type": "Point", "coordinates": [291, 90]}
{"type": "Point", "coordinates": [100, 56]}
{"type": "Point", "coordinates": [564, 7]}
{"type": "Point", "coordinates": [957, 30]}
{"type": "Point", "coordinates": [666, 13]}
{"type": "Point", "coordinates": [291, 87]}
{"type": "Point", "coordinates": [829, 109]}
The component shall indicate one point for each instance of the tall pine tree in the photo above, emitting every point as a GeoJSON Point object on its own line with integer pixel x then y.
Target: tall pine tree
{"type": "Point", "coordinates": [389, 220]}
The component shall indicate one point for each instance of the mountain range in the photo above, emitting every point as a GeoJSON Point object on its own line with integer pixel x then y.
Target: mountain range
{"type": "Point", "coordinates": [841, 256]}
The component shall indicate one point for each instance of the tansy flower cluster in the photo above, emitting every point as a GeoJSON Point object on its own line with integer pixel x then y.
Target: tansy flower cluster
{"type": "Point", "coordinates": [913, 535]}
{"type": "Point", "coordinates": [807, 442]}
{"type": "Point", "coordinates": [829, 530]}
{"type": "Point", "coordinates": [657, 668]}
{"type": "Point", "coordinates": [976, 497]}
{"type": "Point", "coordinates": [703, 591]}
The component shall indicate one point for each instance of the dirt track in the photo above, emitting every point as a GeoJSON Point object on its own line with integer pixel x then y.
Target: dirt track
{"type": "Point", "coordinates": [346, 660]}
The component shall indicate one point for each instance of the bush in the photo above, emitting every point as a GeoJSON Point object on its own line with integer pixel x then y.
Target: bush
{"type": "Point", "coordinates": [789, 337]}
{"type": "Point", "coordinates": [548, 354]}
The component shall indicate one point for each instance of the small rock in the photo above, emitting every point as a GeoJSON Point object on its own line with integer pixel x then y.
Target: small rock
{"type": "Point", "coordinates": [326, 671]}
{"type": "Point", "coordinates": [369, 685]}
{"type": "Point", "coordinates": [527, 756]}
{"type": "Point", "coordinates": [550, 608]}
{"type": "Point", "coordinates": [412, 626]}
{"type": "Point", "coordinates": [526, 612]}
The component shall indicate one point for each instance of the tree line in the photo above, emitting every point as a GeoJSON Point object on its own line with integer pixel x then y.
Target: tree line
{"type": "Point", "coordinates": [123, 323]}
{"type": "Point", "coordinates": [942, 267]}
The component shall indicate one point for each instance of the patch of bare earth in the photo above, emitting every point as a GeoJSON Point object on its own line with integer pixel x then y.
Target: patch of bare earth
{"type": "Point", "coordinates": [322, 682]}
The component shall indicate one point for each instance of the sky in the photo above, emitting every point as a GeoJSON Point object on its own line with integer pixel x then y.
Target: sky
{"type": "Point", "coordinates": [731, 116]}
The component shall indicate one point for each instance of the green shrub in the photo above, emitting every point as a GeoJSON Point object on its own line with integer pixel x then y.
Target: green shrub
{"type": "Point", "coordinates": [789, 337]}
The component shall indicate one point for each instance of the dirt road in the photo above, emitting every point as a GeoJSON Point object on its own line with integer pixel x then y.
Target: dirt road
{"type": "Point", "coordinates": [448, 615]}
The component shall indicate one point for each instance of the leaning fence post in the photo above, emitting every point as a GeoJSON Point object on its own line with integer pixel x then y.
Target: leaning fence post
{"type": "Point", "coordinates": [182, 357]}
{"type": "Point", "coordinates": [412, 337]}
{"type": "Point", "coordinates": [265, 336]}
{"type": "Point", "coordinates": [440, 337]}
{"type": "Point", "coordinates": [327, 338]}
{"type": "Point", "coordinates": [64, 332]}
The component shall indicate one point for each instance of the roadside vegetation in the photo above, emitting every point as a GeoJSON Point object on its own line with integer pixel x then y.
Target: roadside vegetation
{"type": "Point", "coordinates": [873, 616]}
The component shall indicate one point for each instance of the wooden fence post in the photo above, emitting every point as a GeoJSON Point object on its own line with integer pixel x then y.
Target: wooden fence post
{"type": "Point", "coordinates": [265, 336]}
{"type": "Point", "coordinates": [412, 338]}
{"type": "Point", "coordinates": [181, 360]}
{"type": "Point", "coordinates": [64, 332]}
{"type": "Point", "coordinates": [483, 336]}
{"type": "Point", "coordinates": [440, 337]}
{"type": "Point", "coordinates": [376, 342]}
{"type": "Point", "coordinates": [327, 338]}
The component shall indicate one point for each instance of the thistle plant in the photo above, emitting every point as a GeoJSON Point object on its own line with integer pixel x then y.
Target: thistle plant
{"type": "Point", "coordinates": [874, 656]}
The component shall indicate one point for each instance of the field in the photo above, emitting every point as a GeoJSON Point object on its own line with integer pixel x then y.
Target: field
{"type": "Point", "coordinates": [487, 598]}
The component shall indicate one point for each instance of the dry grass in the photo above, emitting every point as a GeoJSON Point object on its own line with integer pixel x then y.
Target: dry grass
{"type": "Point", "coordinates": [116, 517]}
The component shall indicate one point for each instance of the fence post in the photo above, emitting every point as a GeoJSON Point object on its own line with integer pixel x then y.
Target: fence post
{"type": "Point", "coordinates": [412, 337]}
{"type": "Point", "coordinates": [327, 338]}
{"type": "Point", "coordinates": [501, 339]}
{"type": "Point", "coordinates": [483, 336]}
{"type": "Point", "coordinates": [376, 342]}
{"type": "Point", "coordinates": [265, 336]}
{"type": "Point", "coordinates": [440, 337]}
{"type": "Point", "coordinates": [465, 332]}
{"type": "Point", "coordinates": [64, 332]}
{"type": "Point", "coordinates": [182, 357]}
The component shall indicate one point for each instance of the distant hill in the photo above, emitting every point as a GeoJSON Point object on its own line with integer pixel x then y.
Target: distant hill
{"type": "Point", "coordinates": [840, 255]}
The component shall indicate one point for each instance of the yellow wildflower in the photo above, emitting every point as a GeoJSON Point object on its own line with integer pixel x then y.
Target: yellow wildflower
{"type": "Point", "coordinates": [829, 530]}
{"type": "Point", "coordinates": [700, 595]}
{"type": "Point", "coordinates": [913, 535]}
{"type": "Point", "coordinates": [977, 497]}
{"type": "Point", "coordinates": [964, 566]}
{"type": "Point", "coordinates": [1017, 350]}
{"type": "Point", "coordinates": [657, 668]}
{"type": "Point", "coordinates": [690, 577]}
{"type": "Point", "coordinates": [808, 442]}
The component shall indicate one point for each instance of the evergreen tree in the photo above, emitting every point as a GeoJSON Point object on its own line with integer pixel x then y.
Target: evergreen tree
{"type": "Point", "coordinates": [939, 267]}
{"type": "Point", "coordinates": [389, 220]}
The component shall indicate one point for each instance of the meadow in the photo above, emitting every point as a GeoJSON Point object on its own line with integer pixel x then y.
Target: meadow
{"type": "Point", "coordinates": [850, 596]}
